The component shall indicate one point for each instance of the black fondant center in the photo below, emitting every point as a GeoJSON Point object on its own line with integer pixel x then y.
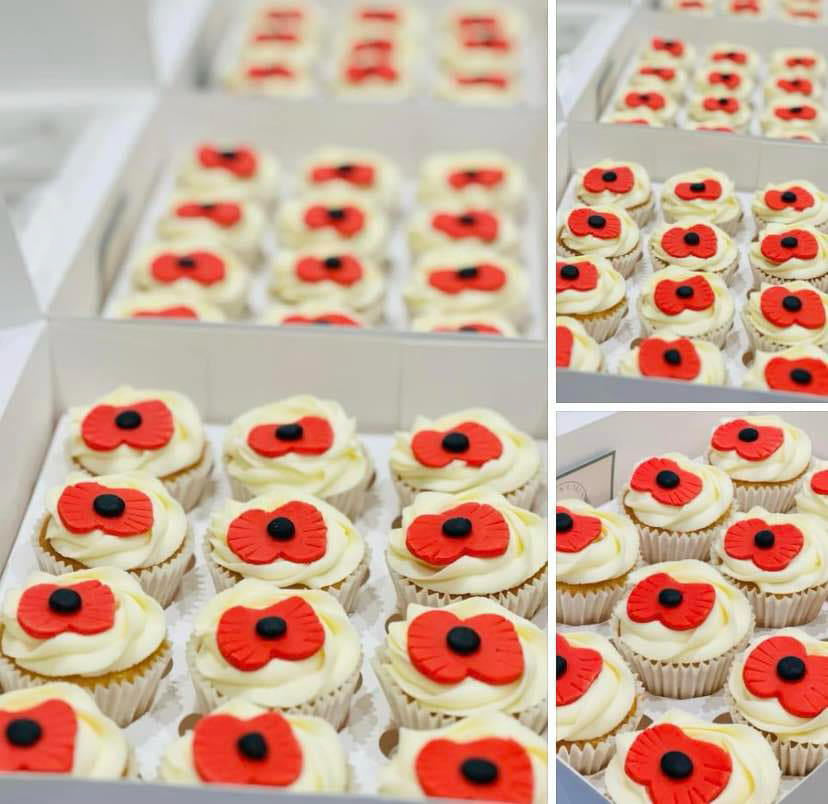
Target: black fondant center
{"type": "Point", "coordinates": [336, 214]}
{"type": "Point", "coordinates": [764, 539]}
{"type": "Point", "coordinates": [563, 523]}
{"type": "Point", "coordinates": [186, 262]}
{"type": "Point", "coordinates": [676, 765]}
{"type": "Point", "coordinates": [479, 771]}
{"type": "Point", "coordinates": [789, 196]}
{"type": "Point", "coordinates": [570, 272]}
{"type": "Point", "coordinates": [609, 175]}
{"type": "Point", "coordinates": [463, 640]}
{"type": "Point", "coordinates": [271, 627]}
{"type": "Point", "coordinates": [108, 505]}
{"type": "Point", "coordinates": [128, 420]}
{"type": "Point", "coordinates": [796, 110]}
{"type": "Point", "coordinates": [667, 479]}
{"type": "Point", "coordinates": [670, 597]}
{"type": "Point", "coordinates": [281, 529]}
{"type": "Point", "coordinates": [801, 376]}
{"type": "Point", "coordinates": [333, 262]}
{"type": "Point", "coordinates": [346, 168]}
{"type": "Point", "coordinates": [23, 732]}
{"type": "Point", "coordinates": [672, 357]}
{"type": "Point", "coordinates": [790, 668]}
{"type": "Point", "coordinates": [228, 154]}
{"type": "Point", "coordinates": [289, 432]}
{"type": "Point", "coordinates": [748, 434]}
{"type": "Point", "coordinates": [457, 527]}
{"type": "Point", "coordinates": [698, 187]}
{"type": "Point", "coordinates": [597, 221]}
{"type": "Point", "coordinates": [252, 745]}
{"type": "Point", "coordinates": [467, 220]}
{"type": "Point", "coordinates": [560, 666]}
{"type": "Point", "coordinates": [793, 304]}
{"type": "Point", "coordinates": [455, 442]}
{"type": "Point", "coordinates": [692, 238]}
{"type": "Point", "coordinates": [469, 272]}
{"type": "Point", "coordinates": [64, 601]}
{"type": "Point", "coordinates": [789, 242]}
{"type": "Point", "coordinates": [684, 292]}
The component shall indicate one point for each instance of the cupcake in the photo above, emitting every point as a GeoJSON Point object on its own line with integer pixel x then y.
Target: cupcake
{"type": "Point", "coordinates": [795, 114]}
{"type": "Point", "coordinates": [273, 77]}
{"type": "Point", "coordinates": [723, 82]}
{"type": "Point", "coordinates": [785, 253]}
{"type": "Point", "coordinates": [292, 541]}
{"type": "Point", "coordinates": [466, 451]}
{"type": "Point", "coordinates": [695, 245]}
{"type": "Point", "coordinates": [95, 628]}
{"type": "Point", "coordinates": [300, 443]}
{"type": "Point", "coordinates": [681, 757]}
{"type": "Point", "coordinates": [679, 626]}
{"type": "Point", "coordinates": [289, 649]}
{"type": "Point", "coordinates": [456, 223]}
{"type": "Point", "coordinates": [472, 657]}
{"type": "Point", "coordinates": [165, 304]}
{"type": "Point", "coordinates": [317, 314]}
{"type": "Point", "coordinates": [128, 521]}
{"type": "Point", "coordinates": [776, 686]}
{"type": "Point", "coordinates": [704, 194]}
{"type": "Point", "coordinates": [484, 41]}
{"type": "Point", "coordinates": [242, 743]}
{"type": "Point", "coordinates": [789, 87]}
{"type": "Point", "coordinates": [668, 51]}
{"type": "Point", "coordinates": [622, 184]}
{"type": "Point", "coordinates": [794, 314]}
{"type": "Point", "coordinates": [689, 303]}
{"type": "Point", "coordinates": [799, 60]}
{"type": "Point", "coordinates": [483, 757]}
{"type": "Point", "coordinates": [373, 69]}
{"type": "Point", "coordinates": [796, 370]}
{"type": "Point", "coordinates": [811, 497]}
{"type": "Point", "coordinates": [591, 291]}
{"type": "Point", "coordinates": [666, 356]}
{"type": "Point", "coordinates": [449, 547]}
{"type": "Point", "coordinates": [720, 110]}
{"type": "Point", "coordinates": [727, 55]}
{"type": "Point", "coordinates": [245, 169]}
{"type": "Point", "coordinates": [575, 348]}
{"type": "Point", "coordinates": [601, 232]}
{"type": "Point", "coordinates": [661, 105]}
{"type": "Point", "coordinates": [479, 323]}
{"type": "Point", "coordinates": [158, 432]}
{"type": "Point", "coordinates": [595, 550]}
{"type": "Point", "coordinates": [797, 203]}
{"type": "Point", "coordinates": [669, 80]}
{"type": "Point", "coordinates": [679, 506]}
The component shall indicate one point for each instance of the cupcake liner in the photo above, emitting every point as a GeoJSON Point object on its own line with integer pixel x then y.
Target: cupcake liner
{"type": "Point", "coordinates": [760, 276]}
{"type": "Point", "coordinates": [728, 273]}
{"type": "Point", "coordinates": [774, 497]}
{"type": "Point", "coordinates": [716, 336]}
{"type": "Point", "coordinates": [760, 342]}
{"type": "Point", "coordinates": [410, 714]}
{"type": "Point", "coordinates": [625, 264]}
{"type": "Point", "coordinates": [604, 324]}
{"type": "Point", "coordinates": [333, 706]}
{"type": "Point", "coordinates": [592, 605]}
{"type": "Point", "coordinates": [524, 600]}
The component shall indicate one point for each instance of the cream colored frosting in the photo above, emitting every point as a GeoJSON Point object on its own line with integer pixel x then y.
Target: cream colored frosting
{"type": "Point", "coordinates": [646, 82]}
{"type": "Point", "coordinates": [470, 696]}
{"type": "Point", "coordinates": [155, 300]}
{"type": "Point", "coordinates": [455, 323]}
{"type": "Point", "coordinates": [726, 625]}
{"type": "Point", "coordinates": [755, 377]}
{"type": "Point", "coordinates": [712, 369]}
{"type": "Point", "coordinates": [138, 630]}
{"type": "Point", "coordinates": [809, 501]}
{"type": "Point", "coordinates": [525, 555]}
{"type": "Point", "coordinates": [726, 250]}
{"type": "Point", "coordinates": [586, 351]}
{"type": "Point", "coordinates": [773, 93]}
{"type": "Point", "coordinates": [184, 449]}
{"type": "Point", "coordinates": [817, 125]}
{"type": "Point", "coordinates": [614, 553]}
{"type": "Point", "coordinates": [708, 506]}
{"type": "Point", "coordinates": [641, 192]}
{"type": "Point", "coordinates": [340, 468]}
{"type": "Point", "coordinates": [609, 291]}
{"type": "Point", "coordinates": [649, 55]}
{"type": "Point", "coordinates": [324, 765]}
{"type": "Point", "coordinates": [99, 549]}
{"type": "Point", "coordinates": [750, 66]}
{"type": "Point", "coordinates": [736, 119]}
{"type": "Point", "coordinates": [779, 62]}
{"type": "Point", "coordinates": [795, 267]}
{"type": "Point", "coordinates": [344, 545]}
{"type": "Point", "coordinates": [262, 184]}
{"type": "Point", "coordinates": [754, 777]}
{"type": "Point", "coordinates": [607, 702]}
{"type": "Point", "coordinates": [423, 236]}
{"type": "Point", "coordinates": [813, 215]}
{"type": "Point", "coordinates": [665, 113]}
{"type": "Point", "coordinates": [723, 209]}
{"type": "Point", "coordinates": [298, 83]}
{"type": "Point", "coordinates": [703, 84]}
{"type": "Point", "coordinates": [628, 239]}
{"type": "Point", "coordinates": [518, 463]}
{"type": "Point", "coordinates": [277, 313]}
{"type": "Point", "coordinates": [786, 336]}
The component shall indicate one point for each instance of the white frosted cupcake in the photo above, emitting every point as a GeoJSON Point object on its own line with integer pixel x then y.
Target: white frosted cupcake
{"type": "Point", "coordinates": [679, 626]}
{"type": "Point", "coordinates": [158, 432]}
{"type": "Point", "coordinates": [575, 348]}
{"type": "Point", "coordinates": [695, 245]}
{"type": "Point", "coordinates": [595, 550]}
{"type": "Point", "coordinates": [799, 60]}
{"type": "Point", "coordinates": [785, 253]}
{"type": "Point", "coordinates": [723, 82]}
{"type": "Point", "coordinates": [454, 222]}
{"type": "Point", "coordinates": [479, 323]}
{"type": "Point", "coordinates": [796, 203]}
{"type": "Point", "coordinates": [659, 104]}
{"type": "Point", "coordinates": [591, 291]}
{"type": "Point", "coordinates": [166, 304]}
{"type": "Point", "coordinates": [472, 657]}
{"type": "Point", "coordinates": [779, 316]}
{"type": "Point", "coordinates": [729, 55]}
{"type": "Point", "coordinates": [795, 114]}
{"type": "Point", "coordinates": [666, 356]}
{"type": "Point", "coordinates": [811, 497]}
{"type": "Point", "coordinates": [790, 86]}
{"type": "Point", "coordinates": [613, 183]}
{"type": "Point", "coordinates": [248, 170]}
{"type": "Point", "coordinates": [720, 110]}
{"type": "Point", "coordinates": [315, 314]}
{"type": "Point", "coordinates": [703, 194]}
{"type": "Point", "coordinates": [601, 231]}
{"type": "Point", "coordinates": [796, 370]}
{"type": "Point", "coordinates": [662, 78]}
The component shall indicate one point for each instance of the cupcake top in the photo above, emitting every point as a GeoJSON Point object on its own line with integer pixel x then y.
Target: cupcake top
{"type": "Point", "coordinates": [681, 755]}
{"type": "Point", "coordinates": [454, 222]}
{"type": "Point", "coordinates": [128, 521]}
{"type": "Point", "coordinates": [781, 554]}
{"type": "Point", "coordinates": [467, 658]}
{"type": "Point", "coordinates": [796, 370]}
{"type": "Point", "coordinates": [795, 113]}
{"type": "Point", "coordinates": [726, 110]}
{"type": "Point", "coordinates": [668, 51]}
{"type": "Point", "coordinates": [585, 285]}
{"type": "Point", "coordinates": [812, 498]}
{"type": "Point", "coordinates": [240, 742]}
{"type": "Point", "coordinates": [89, 623]}
{"type": "Point", "coordinates": [274, 647]}
{"type": "Point", "coordinates": [704, 194]}
{"type": "Point", "coordinates": [474, 543]}
{"type": "Point", "coordinates": [800, 60]}
{"type": "Point", "coordinates": [790, 86]}
{"type": "Point", "coordinates": [727, 55]}
{"type": "Point", "coordinates": [668, 356]}
{"type": "Point", "coordinates": [300, 443]}
{"type": "Point", "coordinates": [673, 493]}
{"type": "Point", "coordinates": [661, 78]}
{"type": "Point", "coordinates": [659, 103]}
{"type": "Point", "coordinates": [479, 87]}
{"type": "Point", "coordinates": [694, 244]}
{"type": "Point", "coordinates": [285, 538]}
{"type": "Point", "coordinates": [166, 304]}
{"type": "Point", "coordinates": [797, 202]}
{"type": "Point", "coordinates": [688, 302]}
{"type": "Point", "coordinates": [592, 544]}
{"type": "Point", "coordinates": [158, 432]}
{"type": "Point", "coordinates": [752, 9]}
{"type": "Point", "coordinates": [723, 81]}
{"type": "Point", "coordinates": [760, 449]}
{"type": "Point", "coordinates": [610, 182]}
{"type": "Point", "coordinates": [789, 314]}
{"type": "Point", "coordinates": [58, 728]}
{"type": "Point", "coordinates": [312, 313]}
{"type": "Point", "coordinates": [240, 167]}
{"type": "Point", "coordinates": [476, 322]}
{"type": "Point", "coordinates": [465, 451]}
{"type": "Point", "coordinates": [790, 252]}
{"type": "Point", "coordinates": [600, 231]}
{"type": "Point", "coordinates": [594, 688]}
{"type": "Point", "coordinates": [490, 756]}
{"type": "Point", "coordinates": [778, 686]}
{"type": "Point", "coordinates": [266, 74]}
{"type": "Point", "coordinates": [681, 612]}
{"type": "Point", "coordinates": [575, 349]}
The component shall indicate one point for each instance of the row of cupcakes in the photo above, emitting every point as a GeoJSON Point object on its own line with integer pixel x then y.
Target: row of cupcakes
{"type": "Point", "coordinates": [801, 11]}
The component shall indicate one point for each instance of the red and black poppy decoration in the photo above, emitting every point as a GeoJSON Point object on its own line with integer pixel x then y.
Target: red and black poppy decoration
{"type": "Point", "coordinates": [261, 72]}
{"type": "Point", "coordinates": [478, 177]}
{"type": "Point", "coordinates": [780, 667]}
{"type": "Point", "coordinates": [223, 214]}
{"type": "Point", "coordinates": [84, 507]}
{"type": "Point", "coordinates": [728, 80]}
{"type": "Point", "coordinates": [727, 105]}
{"type": "Point", "coordinates": [794, 244]}
{"type": "Point", "coordinates": [260, 750]}
{"type": "Point", "coordinates": [786, 308]}
{"type": "Point", "coordinates": [675, 768]}
{"type": "Point", "coordinates": [469, 442]}
{"type": "Point", "coordinates": [734, 56]}
{"type": "Point", "coordinates": [662, 73]}
{"type": "Point", "coordinates": [563, 347]}
{"type": "Point", "coordinates": [649, 100]}
{"type": "Point", "coordinates": [819, 482]}
{"type": "Point", "coordinates": [176, 311]}
{"type": "Point", "coordinates": [40, 739]}
{"type": "Point", "coordinates": [470, 529]}
{"type": "Point", "coordinates": [326, 319]}
{"type": "Point", "coordinates": [698, 240]}
{"type": "Point", "coordinates": [484, 277]}
{"type": "Point", "coordinates": [673, 298]}
{"type": "Point", "coordinates": [46, 609]}
{"type": "Point", "coordinates": [806, 62]}
{"type": "Point", "coordinates": [346, 221]}
{"type": "Point", "coordinates": [798, 112]}
{"type": "Point", "coordinates": [769, 547]}
{"type": "Point", "coordinates": [288, 630]}
{"type": "Point", "coordinates": [674, 360]}
{"type": "Point", "coordinates": [448, 650]}
{"type": "Point", "coordinates": [803, 375]}
{"type": "Point", "coordinates": [792, 197]}
{"type": "Point", "coordinates": [294, 532]}
{"type": "Point", "coordinates": [575, 670]}
{"type": "Point", "coordinates": [343, 270]}
{"type": "Point", "coordinates": [473, 223]}
{"type": "Point", "coordinates": [796, 86]}
{"type": "Point", "coordinates": [675, 47]}
{"type": "Point", "coordinates": [676, 605]}
{"type": "Point", "coordinates": [358, 175]}
{"type": "Point", "coordinates": [491, 769]}
{"type": "Point", "coordinates": [587, 222]}
{"type": "Point", "coordinates": [617, 180]}
{"type": "Point", "coordinates": [666, 481]}
{"type": "Point", "coordinates": [574, 532]}
{"type": "Point", "coordinates": [203, 267]}
{"type": "Point", "coordinates": [706, 190]}
{"type": "Point", "coordinates": [753, 442]}
{"type": "Point", "coordinates": [141, 425]}
{"type": "Point", "coordinates": [309, 435]}
{"type": "Point", "coordinates": [241, 162]}
{"type": "Point", "coordinates": [580, 276]}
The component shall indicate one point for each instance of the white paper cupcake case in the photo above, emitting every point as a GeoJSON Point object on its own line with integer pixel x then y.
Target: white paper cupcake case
{"type": "Point", "coordinates": [592, 606]}
{"type": "Point", "coordinates": [603, 325]}
{"type": "Point", "coordinates": [760, 276]}
{"type": "Point", "coordinates": [776, 498]}
{"type": "Point", "coordinates": [764, 343]}
{"type": "Point", "coordinates": [716, 336]}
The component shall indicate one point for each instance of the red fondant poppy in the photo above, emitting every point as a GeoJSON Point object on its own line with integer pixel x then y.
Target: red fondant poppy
{"type": "Point", "coordinates": [706, 190]}
{"type": "Point", "coordinates": [574, 532]}
{"type": "Point", "coordinates": [358, 175]}
{"type": "Point", "coordinates": [379, 14]}
{"type": "Point", "coordinates": [484, 177]}
{"type": "Point", "coordinates": [666, 481]}
{"type": "Point", "coordinates": [786, 308]}
{"type": "Point", "coordinates": [753, 442]}
{"type": "Point", "coordinates": [563, 347]}
{"type": "Point", "coordinates": [675, 47]}
{"type": "Point", "coordinates": [482, 329]}
{"type": "Point", "coordinates": [141, 425]}
{"type": "Point", "coordinates": [441, 763]}
{"type": "Point", "coordinates": [729, 80]}
{"type": "Point", "coordinates": [745, 7]}
{"type": "Point", "coordinates": [710, 766]}
{"type": "Point", "coordinates": [469, 442]}
{"type": "Point", "coordinates": [735, 56]}
{"type": "Point", "coordinates": [482, 277]}
{"type": "Point", "coordinates": [794, 244]}
{"type": "Point", "coordinates": [224, 214]}
{"type": "Point", "coordinates": [675, 360]}
{"type": "Point", "coordinates": [726, 105]}
{"type": "Point", "coordinates": [576, 669]}
{"type": "Point", "coordinates": [493, 81]}
{"type": "Point", "coordinates": [795, 197]}
{"type": "Point", "coordinates": [804, 375]}
{"type": "Point", "coordinates": [800, 61]}
{"type": "Point", "coordinates": [276, 36]}
{"type": "Point", "coordinates": [796, 86]}
{"type": "Point", "coordinates": [310, 435]}
{"type": "Point", "coordinates": [222, 750]}
{"type": "Point", "coordinates": [676, 605]}
{"type": "Point", "coordinates": [241, 162]}
{"type": "Point", "coordinates": [79, 510]}
{"type": "Point", "coordinates": [819, 482]}
{"type": "Point", "coordinates": [288, 630]}
{"type": "Point", "coordinates": [650, 100]}
{"type": "Point", "coordinates": [87, 607]}
{"type": "Point", "coordinates": [804, 13]}
{"type": "Point", "coordinates": [442, 648]}
{"type": "Point", "coordinates": [176, 311]}
{"type": "Point", "coordinates": [203, 267]}
{"type": "Point", "coordinates": [261, 72]}
{"type": "Point", "coordinates": [585, 221]}
{"type": "Point", "coordinates": [329, 319]}
{"type": "Point", "coordinates": [618, 180]}
{"type": "Point", "coordinates": [379, 68]}
{"type": "Point", "coordinates": [698, 240]}
{"type": "Point", "coordinates": [585, 278]}
{"type": "Point", "coordinates": [295, 532]}
{"type": "Point", "coordinates": [779, 667]}
{"type": "Point", "coordinates": [673, 298]}
{"type": "Point", "coordinates": [347, 220]}
{"type": "Point", "coordinates": [474, 223]}
{"type": "Point", "coordinates": [804, 112]}
{"type": "Point", "coordinates": [54, 749]}
{"type": "Point", "coordinates": [771, 553]}
{"type": "Point", "coordinates": [663, 73]}
{"type": "Point", "coordinates": [345, 270]}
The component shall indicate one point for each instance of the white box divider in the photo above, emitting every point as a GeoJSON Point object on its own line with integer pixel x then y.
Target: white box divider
{"type": "Point", "coordinates": [18, 303]}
